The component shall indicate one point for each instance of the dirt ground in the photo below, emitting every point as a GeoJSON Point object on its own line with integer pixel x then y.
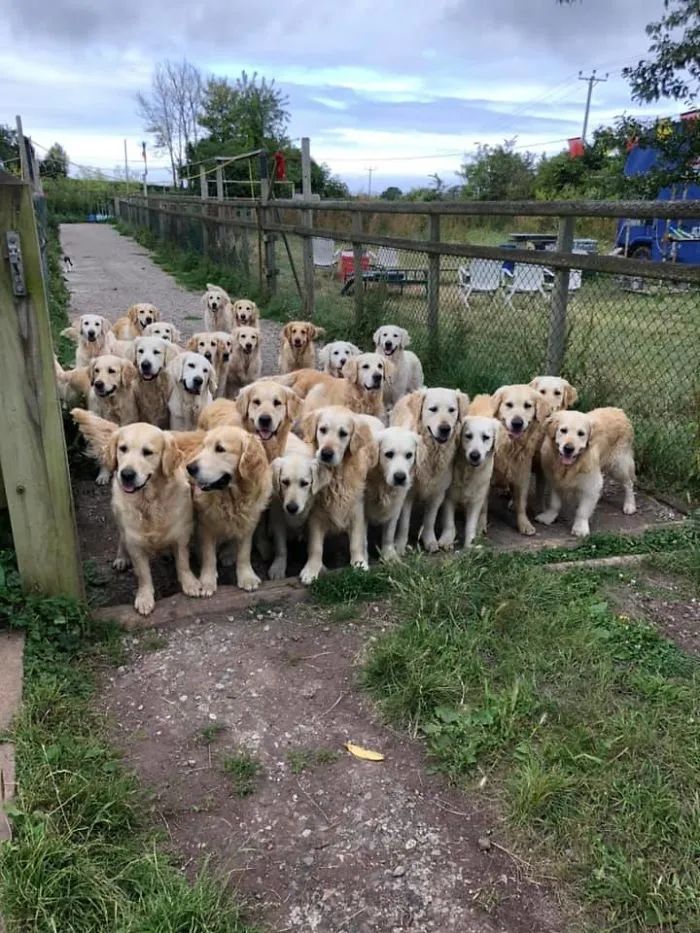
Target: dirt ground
{"type": "Point", "coordinates": [341, 844]}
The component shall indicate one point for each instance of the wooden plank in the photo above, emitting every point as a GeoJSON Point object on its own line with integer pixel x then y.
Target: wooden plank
{"type": "Point", "coordinates": [308, 221]}
{"type": "Point", "coordinates": [32, 443]}
{"type": "Point", "coordinates": [556, 342]}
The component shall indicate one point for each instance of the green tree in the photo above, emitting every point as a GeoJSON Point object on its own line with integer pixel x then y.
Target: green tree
{"type": "Point", "coordinates": [499, 173]}
{"type": "Point", "coordinates": [55, 165]}
{"type": "Point", "coordinates": [392, 193]}
{"type": "Point", "coordinates": [9, 150]}
{"type": "Point", "coordinates": [673, 69]}
{"type": "Point", "coordinates": [250, 113]}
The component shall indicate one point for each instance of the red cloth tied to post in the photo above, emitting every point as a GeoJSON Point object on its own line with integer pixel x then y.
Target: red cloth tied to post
{"type": "Point", "coordinates": [280, 166]}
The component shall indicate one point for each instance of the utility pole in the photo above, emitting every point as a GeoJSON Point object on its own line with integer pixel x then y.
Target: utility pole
{"type": "Point", "coordinates": [370, 170]}
{"type": "Point", "coordinates": [145, 170]}
{"type": "Point", "coordinates": [592, 80]}
{"type": "Point", "coordinates": [126, 170]}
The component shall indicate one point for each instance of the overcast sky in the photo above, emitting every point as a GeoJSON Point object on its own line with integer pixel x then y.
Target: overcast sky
{"type": "Point", "coordinates": [404, 86]}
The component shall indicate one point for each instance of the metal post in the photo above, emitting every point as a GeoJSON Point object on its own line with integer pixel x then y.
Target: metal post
{"type": "Point", "coordinates": [357, 270]}
{"type": "Point", "coordinates": [592, 79]}
{"type": "Point", "coordinates": [556, 343]}
{"type": "Point", "coordinates": [308, 221]}
{"type": "Point", "coordinates": [433, 288]}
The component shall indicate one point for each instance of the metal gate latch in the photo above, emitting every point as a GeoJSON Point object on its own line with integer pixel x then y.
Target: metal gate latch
{"type": "Point", "coordinates": [14, 254]}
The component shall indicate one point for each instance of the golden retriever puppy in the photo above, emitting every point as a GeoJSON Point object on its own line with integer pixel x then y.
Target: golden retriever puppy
{"type": "Point", "coordinates": [193, 386]}
{"type": "Point", "coordinates": [347, 448]}
{"type": "Point", "coordinates": [361, 388]}
{"type": "Point", "coordinates": [558, 393]}
{"type": "Point", "coordinates": [137, 319]}
{"type": "Point", "coordinates": [153, 387]}
{"type": "Point", "coordinates": [245, 313]}
{"type": "Point", "coordinates": [579, 450]}
{"type": "Point", "coordinates": [335, 355]}
{"type": "Point", "coordinates": [297, 347]}
{"type": "Point", "coordinates": [297, 478]}
{"type": "Point", "coordinates": [165, 330]}
{"type": "Point", "coordinates": [233, 484]}
{"type": "Point", "coordinates": [152, 506]}
{"type": "Point", "coordinates": [391, 342]}
{"type": "Point", "coordinates": [245, 365]}
{"type": "Point", "coordinates": [269, 410]}
{"type": "Point", "coordinates": [522, 411]}
{"type": "Point", "coordinates": [471, 478]}
{"type": "Point", "coordinates": [218, 312]}
{"type": "Point", "coordinates": [389, 482]}
{"type": "Point", "coordinates": [434, 414]}
{"type": "Point", "coordinates": [94, 336]}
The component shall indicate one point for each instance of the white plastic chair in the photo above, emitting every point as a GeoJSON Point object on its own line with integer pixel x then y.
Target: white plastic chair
{"type": "Point", "coordinates": [387, 257]}
{"type": "Point", "coordinates": [527, 280]}
{"type": "Point", "coordinates": [325, 253]}
{"type": "Point", "coordinates": [576, 275]}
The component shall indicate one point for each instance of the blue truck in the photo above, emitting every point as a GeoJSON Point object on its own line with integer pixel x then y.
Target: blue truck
{"type": "Point", "coordinates": [659, 239]}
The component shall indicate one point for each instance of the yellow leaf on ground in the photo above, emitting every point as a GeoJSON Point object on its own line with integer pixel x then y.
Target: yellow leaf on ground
{"type": "Point", "coordinates": [365, 753]}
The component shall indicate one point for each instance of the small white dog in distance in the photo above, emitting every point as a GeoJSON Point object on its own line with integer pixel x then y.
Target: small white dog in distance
{"type": "Point", "coordinates": [389, 482]}
{"type": "Point", "coordinates": [579, 450]}
{"type": "Point", "coordinates": [193, 387]}
{"type": "Point", "coordinates": [557, 392]}
{"type": "Point", "coordinates": [245, 313]}
{"type": "Point", "coordinates": [471, 479]}
{"type": "Point", "coordinates": [335, 355]}
{"type": "Point", "coordinates": [391, 342]}
{"type": "Point", "coordinates": [218, 311]}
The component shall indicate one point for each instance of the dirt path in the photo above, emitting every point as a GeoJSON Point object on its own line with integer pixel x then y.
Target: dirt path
{"type": "Point", "coordinates": [324, 842]}
{"type": "Point", "coordinates": [111, 272]}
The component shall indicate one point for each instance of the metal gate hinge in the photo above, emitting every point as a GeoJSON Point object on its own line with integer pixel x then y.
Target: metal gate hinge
{"type": "Point", "coordinates": [14, 255]}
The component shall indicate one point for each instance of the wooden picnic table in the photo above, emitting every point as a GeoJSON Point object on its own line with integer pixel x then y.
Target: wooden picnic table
{"type": "Point", "coordinates": [538, 240]}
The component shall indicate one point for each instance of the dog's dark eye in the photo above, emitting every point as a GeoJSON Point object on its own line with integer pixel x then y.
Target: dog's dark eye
{"type": "Point", "coordinates": [557, 392]}
{"type": "Point", "coordinates": [342, 434]}
{"type": "Point", "coordinates": [111, 371]}
{"type": "Point", "coordinates": [543, 392]}
{"type": "Point", "coordinates": [256, 401]}
{"type": "Point", "coordinates": [389, 454]}
{"type": "Point", "coordinates": [365, 365]}
{"type": "Point", "coordinates": [336, 353]}
{"type": "Point", "coordinates": [581, 433]}
{"type": "Point", "coordinates": [381, 365]}
{"type": "Point", "coordinates": [146, 452]}
{"type": "Point", "coordinates": [303, 483]}
{"type": "Point", "coordinates": [527, 405]}
{"type": "Point", "coordinates": [285, 482]}
{"type": "Point", "coordinates": [451, 411]}
{"type": "Point", "coordinates": [485, 438]}
{"type": "Point", "coordinates": [509, 404]}
{"type": "Point", "coordinates": [469, 436]}
{"type": "Point", "coordinates": [219, 448]}
{"type": "Point", "coordinates": [433, 409]}
{"type": "Point", "coordinates": [564, 430]}
{"type": "Point", "coordinates": [123, 448]}
{"type": "Point", "coordinates": [323, 430]}
{"type": "Point", "coordinates": [277, 403]}
{"type": "Point", "coordinates": [140, 351]}
{"type": "Point", "coordinates": [156, 352]}
{"type": "Point", "coordinates": [190, 365]}
{"type": "Point", "coordinates": [409, 456]}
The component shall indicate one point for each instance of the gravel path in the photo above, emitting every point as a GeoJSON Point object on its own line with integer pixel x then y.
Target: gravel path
{"type": "Point", "coordinates": [111, 272]}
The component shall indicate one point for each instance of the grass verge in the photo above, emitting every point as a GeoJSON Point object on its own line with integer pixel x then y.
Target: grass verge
{"type": "Point", "coordinates": [58, 296]}
{"type": "Point", "coordinates": [83, 858]}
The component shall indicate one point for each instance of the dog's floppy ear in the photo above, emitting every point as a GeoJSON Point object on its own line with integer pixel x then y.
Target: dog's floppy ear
{"type": "Point", "coordinates": [276, 470]}
{"type": "Point", "coordinates": [106, 325]}
{"type": "Point", "coordinates": [375, 336]}
{"type": "Point", "coordinates": [175, 367]}
{"type": "Point", "coordinates": [316, 333]}
{"type": "Point", "coordinates": [405, 337]}
{"type": "Point", "coordinates": [287, 331]}
{"type": "Point", "coordinates": [155, 312]}
{"type": "Point", "coordinates": [570, 395]}
{"type": "Point", "coordinates": [542, 408]}
{"type": "Point", "coordinates": [133, 314]}
{"type": "Point", "coordinates": [171, 457]}
{"type": "Point", "coordinates": [535, 383]}
{"type": "Point", "coordinates": [307, 427]}
{"type": "Point", "coordinates": [324, 356]}
{"type": "Point", "coordinates": [130, 351]}
{"type": "Point", "coordinates": [413, 404]}
{"type": "Point", "coordinates": [90, 368]}
{"type": "Point", "coordinates": [294, 404]}
{"type": "Point", "coordinates": [551, 424]}
{"type": "Point", "coordinates": [243, 401]}
{"type": "Point", "coordinates": [109, 455]}
{"type": "Point", "coordinates": [350, 370]}
{"type": "Point", "coordinates": [172, 353]}
{"type": "Point", "coordinates": [176, 335]}
{"type": "Point", "coordinates": [320, 476]}
{"type": "Point", "coordinates": [213, 381]}
{"type": "Point", "coordinates": [129, 373]}
{"type": "Point", "coordinates": [462, 404]}
{"type": "Point", "coordinates": [192, 343]}
{"type": "Point", "coordinates": [363, 440]}
{"type": "Point", "coordinates": [497, 397]}
{"type": "Point", "coordinates": [253, 462]}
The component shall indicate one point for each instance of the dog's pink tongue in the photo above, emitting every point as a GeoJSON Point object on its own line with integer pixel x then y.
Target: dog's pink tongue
{"type": "Point", "coordinates": [566, 459]}
{"type": "Point", "coordinates": [265, 434]}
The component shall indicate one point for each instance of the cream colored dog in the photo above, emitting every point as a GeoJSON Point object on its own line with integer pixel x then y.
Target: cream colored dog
{"type": "Point", "coordinates": [233, 487]}
{"type": "Point", "coordinates": [391, 342]}
{"type": "Point", "coordinates": [471, 479]}
{"type": "Point", "coordinates": [434, 414]}
{"type": "Point", "coordinates": [165, 330]}
{"type": "Point", "coordinates": [361, 388]}
{"type": "Point", "coordinates": [334, 356]}
{"type": "Point", "coordinates": [218, 311]}
{"type": "Point", "coordinates": [245, 313]}
{"type": "Point", "coordinates": [153, 387]}
{"type": "Point", "coordinates": [93, 334]}
{"type": "Point", "coordinates": [348, 449]}
{"type": "Point", "coordinates": [297, 347]}
{"type": "Point", "coordinates": [246, 364]}
{"type": "Point", "coordinates": [579, 450]}
{"type": "Point", "coordinates": [557, 392]}
{"type": "Point", "coordinates": [217, 346]}
{"type": "Point", "coordinates": [389, 482]}
{"type": "Point", "coordinates": [152, 505]}
{"type": "Point", "coordinates": [269, 410]}
{"type": "Point", "coordinates": [193, 386]}
{"type": "Point", "coordinates": [137, 319]}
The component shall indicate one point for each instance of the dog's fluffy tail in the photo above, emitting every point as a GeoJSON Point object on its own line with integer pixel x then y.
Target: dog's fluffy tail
{"type": "Point", "coordinates": [96, 431]}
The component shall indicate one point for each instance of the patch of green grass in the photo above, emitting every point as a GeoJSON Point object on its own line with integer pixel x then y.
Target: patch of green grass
{"type": "Point", "coordinates": [606, 544]}
{"type": "Point", "coordinates": [209, 733]}
{"type": "Point", "coordinates": [349, 586]}
{"type": "Point", "coordinates": [58, 297]}
{"type": "Point", "coordinates": [244, 770]}
{"type": "Point", "coordinates": [583, 722]}
{"type": "Point", "coordinates": [305, 759]}
{"type": "Point", "coordinates": [153, 641]}
{"type": "Point", "coordinates": [82, 857]}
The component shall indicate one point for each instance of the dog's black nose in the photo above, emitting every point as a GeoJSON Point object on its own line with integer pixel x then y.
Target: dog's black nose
{"type": "Point", "coordinates": [208, 355]}
{"type": "Point", "coordinates": [226, 357]}
{"type": "Point", "coordinates": [146, 366]}
{"type": "Point", "coordinates": [249, 347]}
{"type": "Point", "coordinates": [265, 421]}
{"type": "Point", "coordinates": [127, 475]}
{"type": "Point", "coordinates": [399, 478]}
{"type": "Point", "coordinates": [377, 379]}
{"type": "Point", "coordinates": [569, 449]}
{"type": "Point", "coordinates": [342, 363]}
{"type": "Point", "coordinates": [444, 430]}
{"type": "Point", "coordinates": [292, 508]}
{"type": "Point", "coordinates": [388, 345]}
{"type": "Point", "coordinates": [326, 455]}
{"type": "Point", "coordinates": [517, 423]}
{"type": "Point", "coordinates": [474, 456]}
{"type": "Point", "coordinates": [99, 385]}
{"type": "Point", "coordinates": [149, 320]}
{"type": "Point", "coordinates": [91, 335]}
{"type": "Point", "coordinates": [197, 381]}
{"type": "Point", "coordinates": [192, 469]}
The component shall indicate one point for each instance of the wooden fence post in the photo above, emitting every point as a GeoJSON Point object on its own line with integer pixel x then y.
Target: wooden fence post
{"type": "Point", "coordinates": [268, 238]}
{"type": "Point", "coordinates": [433, 289]}
{"type": "Point", "coordinates": [357, 250]}
{"type": "Point", "coordinates": [32, 444]}
{"type": "Point", "coordinates": [308, 221]}
{"type": "Point", "coordinates": [556, 342]}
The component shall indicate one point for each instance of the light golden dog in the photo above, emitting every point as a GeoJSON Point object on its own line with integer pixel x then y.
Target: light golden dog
{"type": "Point", "coordinates": [218, 311]}
{"type": "Point", "coordinates": [347, 448]}
{"type": "Point", "coordinates": [193, 387]}
{"type": "Point", "coordinates": [165, 330]}
{"type": "Point", "coordinates": [217, 346]}
{"type": "Point", "coordinates": [233, 484]}
{"type": "Point", "coordinates": [334, 356]}
{"type": "Point", "coordinates": [222, 411]}
{"type": "Point", "coordinates": [153, 387]}
{"type": "Point", "coordinates": [471, 479]}
{"type": "Point", "coordinates": [407, 376]}
{"type": "Point", "coordinates": [245, 313]}
{"type": "Point", "coordinates": [389, 482]}
{"type": "Point", "coordinates": [297, 347]}
{"type": "Point", "coordinates": [361, 388]}
{"type": "Point", "coordinates": [557, 392]}
{"type": "Point", "coordinates": [94, 337]}
{"type": "Point", "coordinates": [434, 414]}
{"type": "Point", "coordinates": [579, 450]}
{"type": "Point", "coordinates": [269, 410]}
{"type": "Point", "coordinates": [137, 319]}
{"type": "Point", "coordinates": [246, 364]}
{"type": "Point", "coordinates": [152, 506]}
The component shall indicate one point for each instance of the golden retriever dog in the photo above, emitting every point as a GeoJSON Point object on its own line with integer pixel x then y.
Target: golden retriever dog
{"type": "Point", "coordinates": [222, 411]}
{"type": "Point", "coordinates": [347, 448]}
{"type": "Point", "coordinates": [245, 313]}
{"type": "Point", "coordinates": [153, 387]}
{"type": "Point", "coordinates": [165, 330]}
{"type": "Point", "coordinates": [137, 319]}
{"type": "Point", "coordinates": [233, 484]}
{"type": "Point", "coordinates": [269, 410]}
{"type": "Point", "coordinates": [579, 450]}
{"type": "Point", "coordinates": [297, 347]}
{"type": "Point", "coordinates": [246, 364]}
{"type": "Point", "coordinates": [297, 478]}
{"type": "Point", "coordinates": [193, 383]}
{"type": "Point", "coordinates": [335, 355]}
{"type": "Point", "coordinates": [391, 342]}
{"type": "Point", "coordinates": [218, 311]}
{"type": "Point", "coordinates": [558, 393]}
{"type": "Point", "coordinates": [522, 411]}
{"type": "Point", "coordinates": [471, 479]}
{"type": "Point", "coordinates": [93, 334]}
{"type": "Point", "coordinates": [434, 414]}
{"type": "Point", "coordinates": [217, 346]}
{"type": "Point", "coordinates": [389, 482]}
{"type": "Point", "coordinates": [361, 388]}
{"type": "Point", "coordinates": [152, 506]}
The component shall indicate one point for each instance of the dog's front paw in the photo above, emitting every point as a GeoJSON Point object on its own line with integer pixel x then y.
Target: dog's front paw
{"type": "Point", "coordinates": [446, 541]}
{"type": "Point", "coordinates": [430, 545]}
{"type": "Point", "coordinates": [546, 518]}
{"type": "Point", "coordinates": [526, 527]}
{"type": "Point", "coordinates": [144, 602]}
{"type": "Point", "coordinates": [389, 554]}
{"type": "Point", "coordinates": [103, 477]}
{"type": "Point", "coordinates": [248, 580]}
{"type": "Point", "coordinates": [310, 573]}
{"type": "Point", "coordinates": [120, 564]}
{"type": "Point", "coordinates": [360, 564]}
{"type": "Point", "coordinates": [191, 586]}
{"type": "Point", "coordinates": [278, 569]}
{"type": "Point", "coordinates": [207, 585]}
{"type": "Point", "coordinates": [581, 529]}
{"type": "Point", "coordinates": [629, 508]}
